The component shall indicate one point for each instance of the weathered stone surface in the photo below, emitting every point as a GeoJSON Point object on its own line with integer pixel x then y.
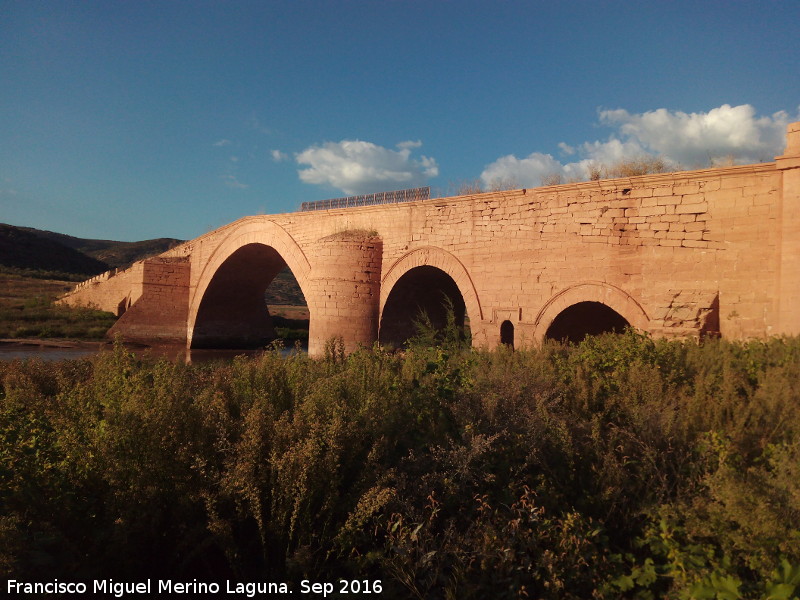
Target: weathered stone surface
{"type": "Point", "coordinates": [711, 251]}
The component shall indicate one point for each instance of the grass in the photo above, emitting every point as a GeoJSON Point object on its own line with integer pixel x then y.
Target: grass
{"type": "Point", "coordinates": [290, 323]}
{"type": "Point", "coordinates": [27, 310]}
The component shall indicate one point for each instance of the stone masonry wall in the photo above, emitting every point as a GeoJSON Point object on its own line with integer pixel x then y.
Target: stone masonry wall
{"type": "Point", "coordinates": [160, 313]}
{"type": "Point", "coordinates": [113, 291]}
{"type": "Point", "coordinates": [677, 254]}
{"type": "Point", "coordinates": [680, 244]}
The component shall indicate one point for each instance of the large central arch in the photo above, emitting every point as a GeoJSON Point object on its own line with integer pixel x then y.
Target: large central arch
{"type": "Point", "coordinates": [425, 279]}
{"type": "Point", "coordinates": [227, 306]}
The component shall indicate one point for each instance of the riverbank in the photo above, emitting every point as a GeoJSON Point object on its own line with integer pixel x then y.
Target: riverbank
{"type": "Point", "coordinates": [54, 343]}
{"type": "Point", "coordinates": [58, 350]}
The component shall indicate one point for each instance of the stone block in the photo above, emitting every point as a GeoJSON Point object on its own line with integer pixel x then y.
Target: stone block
{"type": "Point", "coordinates": [699, 207]}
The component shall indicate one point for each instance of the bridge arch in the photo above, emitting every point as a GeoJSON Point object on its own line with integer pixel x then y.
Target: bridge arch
{"type": "Point", "coordinates": [594, 298]}
{"type": "Point", "coordinates": [236, 274]}
{"type": "Point", "coordinates": [435, 271]}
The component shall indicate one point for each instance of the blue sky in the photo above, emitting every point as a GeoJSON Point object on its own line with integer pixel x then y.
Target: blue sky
{"type": "Point", "coordinates": [134, 120]}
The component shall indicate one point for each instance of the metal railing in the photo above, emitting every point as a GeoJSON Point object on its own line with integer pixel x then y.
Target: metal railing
{"type": "Point", "coordinates": [410, 195]}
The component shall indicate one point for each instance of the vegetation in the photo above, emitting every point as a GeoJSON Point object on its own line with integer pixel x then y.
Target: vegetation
{"type": "Point", "coordinates": [27, 310]}
{"type": "Point", "coordinates": [621, 467]}
{"type": "Point", "coordinates": [291, 330]}
{"type": "Point", "coordinates": [47, 274]}
{"type": "Point", "coordinates": [630, 167]}
{"type": "Point", "coordinates": [115, 254]}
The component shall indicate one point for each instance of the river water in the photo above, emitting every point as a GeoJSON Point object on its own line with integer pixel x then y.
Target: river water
{"type": "Point", "coordinates": [13, 351]}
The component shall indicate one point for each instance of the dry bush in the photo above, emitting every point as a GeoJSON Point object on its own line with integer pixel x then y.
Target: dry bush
{"type": "Point", "coordinates": [503, 183]}
{"type": "Point", "coordinates": [595, 171]}
{"type": "Point", "coordinates": [552, 179]}
{"type": "Point", "coordinates": [639, 165]}
{"type": "Point", "coordinates": [723, 161]}
{"type": "Point", "coordinates": [465, 187]}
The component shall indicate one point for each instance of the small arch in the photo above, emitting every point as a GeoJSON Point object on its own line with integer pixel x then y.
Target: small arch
{"type": "Point", "coordinates": [583, 319]}
{"type": "Point", "coordinates": [710, 327]}
{"type": "Point", "coordinates": [507, 334]}
{"type": "Point", "coordinates": [422, 292]}
{"type": "Point", "coordinates": [441, 259]}
{"type": "Point", "coordinates": [593, 294]}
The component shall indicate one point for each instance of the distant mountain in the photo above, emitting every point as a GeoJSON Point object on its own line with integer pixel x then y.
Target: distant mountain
{"type": "Point", "coordinates": [116, 254]}
{"type": "Point", "coordinates": [25, 251]}
{"type": "Point", "coordinates": [285, 290]}
{"type": "Point", "coordinates": [40, 253]}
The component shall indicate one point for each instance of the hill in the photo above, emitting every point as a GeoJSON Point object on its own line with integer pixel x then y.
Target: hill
{"type": "Point", "coordinates": [23, 251]}
{"type": "Point", "coordinates": [115, 254]}
{"type": "Point", "coordinates": [36, 253]}
{"type": "Point", "coordinates": [284, 290]}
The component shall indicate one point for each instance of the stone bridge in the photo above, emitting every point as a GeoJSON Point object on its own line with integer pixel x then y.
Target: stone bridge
{"type": "Point", "coordinates": [713, 251]}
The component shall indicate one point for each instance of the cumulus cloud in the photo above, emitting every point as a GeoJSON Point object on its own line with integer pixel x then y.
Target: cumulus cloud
{"type": "Point", "coordinates": [697, 137]}
{"type": "Point", "coordinates": [222, 143]}
{"type": "Point", "coordinates": [682, 140]}
{"type": "Point", "coordinates": [358, 167]}
{"type": "Point", "coordinates": [279, 156]}
{"type": "Point", "coordinates": [524, 172]}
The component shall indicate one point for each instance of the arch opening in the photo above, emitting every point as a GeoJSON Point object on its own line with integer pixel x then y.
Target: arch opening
{"type": "Point", "coordinates": [583, 319]}
{"type": "Point", "coordinates": [507, 334]}
{"type": "Point", "coordinates": [234, 312]}
{"type": "Point", "coordinates": [423, 292]}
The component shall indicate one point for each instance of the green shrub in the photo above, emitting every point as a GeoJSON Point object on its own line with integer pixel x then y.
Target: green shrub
{"type": "Point", "coordinates": [618, 467]}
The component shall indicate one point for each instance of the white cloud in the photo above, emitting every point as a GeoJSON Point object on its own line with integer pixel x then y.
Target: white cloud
{"type": "Point", "coordinates": [279, 156]}
{"type": "Point", "coordinates": [566, 148]}
{"type": "Point", "coordinates": [686, 140]}
{"type": "Point", "coordinates": [700, 137]}
{"type": "Point", "coordinates": [524, 172]}
{"type": "Point", "coordinates": [221, 143]}
{"type": "Point", "coordinates": [357, 167]}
